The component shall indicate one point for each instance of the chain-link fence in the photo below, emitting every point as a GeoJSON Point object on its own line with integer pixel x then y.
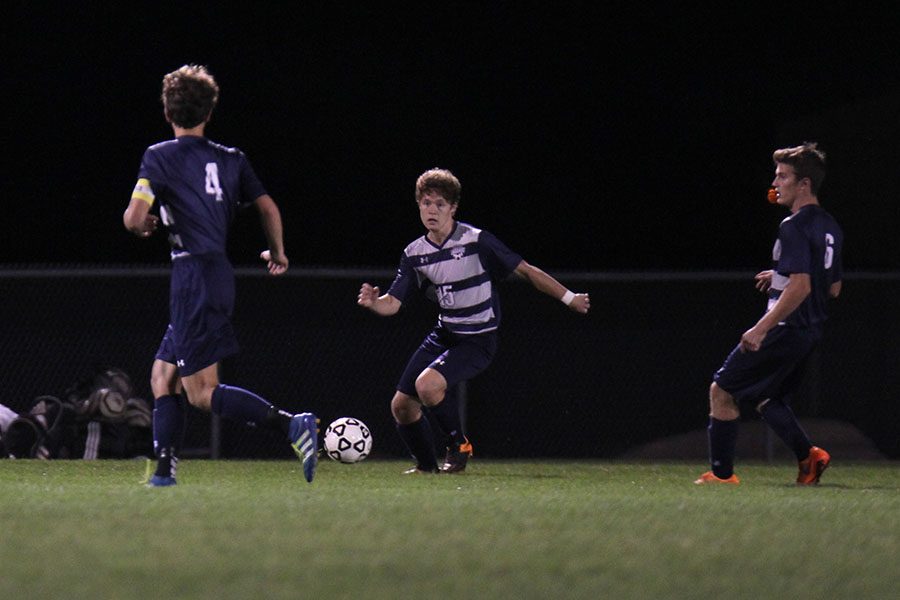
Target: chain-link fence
{"type": "Point", "coordinates": [562, 385]}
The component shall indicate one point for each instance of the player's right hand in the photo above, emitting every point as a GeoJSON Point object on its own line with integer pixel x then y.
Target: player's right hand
{"type": "Point", "coordinates": [368, 294]}
{"type": "Point", "coordinates": [752, 340]}
{"type": "Point", "coordinates": [151, 222]}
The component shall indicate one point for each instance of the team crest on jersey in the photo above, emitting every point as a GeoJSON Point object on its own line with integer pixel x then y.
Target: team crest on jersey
{"type": "Point", "coordinates": [458, 252]}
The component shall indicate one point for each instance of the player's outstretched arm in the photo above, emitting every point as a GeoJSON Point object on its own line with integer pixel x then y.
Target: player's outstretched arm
{"type": "Point", "coordinates": [384, 305]}
{"type": "Point", "coordinates": [276, 259]}
{"type": "Point", "coordinates": [580, 303]}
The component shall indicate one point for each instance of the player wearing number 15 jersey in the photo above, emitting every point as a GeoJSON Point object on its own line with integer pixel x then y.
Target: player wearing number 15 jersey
{"type": "Point", "coordinates": [198, 186]}
{"type": "Point", "coordinates": [767, 366]}
{"type": "Point", "coordinates": [456, 265]}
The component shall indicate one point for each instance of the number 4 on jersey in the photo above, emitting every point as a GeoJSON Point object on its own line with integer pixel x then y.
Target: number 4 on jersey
{"type": "Point", "coordinates": [212, 181]}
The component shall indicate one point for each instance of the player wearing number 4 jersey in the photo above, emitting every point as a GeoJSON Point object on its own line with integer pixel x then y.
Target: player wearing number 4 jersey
{"type": "Point", "coordinates": [766, 367]}
{"type": "Point", "coordinates": [457, 265]}
{"type": "Point", "coordinates": [198, 186]}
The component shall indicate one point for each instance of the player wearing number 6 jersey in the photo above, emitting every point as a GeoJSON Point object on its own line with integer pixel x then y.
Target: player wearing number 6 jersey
{"type": "Point", "coordinates": [767, 366]}
{"type": "Point", "coordinates": [199, 186]}
{"type": "Point", "coordinates": [456, 265]}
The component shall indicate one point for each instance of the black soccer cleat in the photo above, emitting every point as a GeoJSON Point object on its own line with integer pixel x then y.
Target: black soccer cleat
{"type": "Point", "coordinates": [457, 457]}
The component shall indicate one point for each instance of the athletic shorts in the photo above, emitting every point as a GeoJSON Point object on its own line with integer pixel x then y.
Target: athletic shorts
{"type": "Point", "coordinates": [456, 357]}
{"type": "Point", "coordinates": [774, 371]}
{"type": "Point", "coordinates": [201, 301]}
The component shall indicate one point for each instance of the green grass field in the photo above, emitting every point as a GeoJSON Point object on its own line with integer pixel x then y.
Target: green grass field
{"type": "Point", "coordinates": [516, 529]}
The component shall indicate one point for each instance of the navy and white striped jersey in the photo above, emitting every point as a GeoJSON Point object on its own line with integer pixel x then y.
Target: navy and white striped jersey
{"type": "Point", "coordinates": [459, 275]}
{"type": "Point", "coordinates": [199, 185]}
{"type": "Point", "coordinates": [809, 241]}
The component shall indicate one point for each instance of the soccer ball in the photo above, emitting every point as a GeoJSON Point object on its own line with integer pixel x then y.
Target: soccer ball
{"type": "Point", "coordinates": [348, 440]}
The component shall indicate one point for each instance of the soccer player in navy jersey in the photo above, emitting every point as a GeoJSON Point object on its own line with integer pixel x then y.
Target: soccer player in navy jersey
{"type": "Point", "coordinates": [767, 365]}
{"type": "Point", "coordinates": [199, 186]}
{"type": "Point", "coordinates": [456, 265]}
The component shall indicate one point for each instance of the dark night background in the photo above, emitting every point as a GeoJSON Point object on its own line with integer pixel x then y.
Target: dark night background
{"type": "Point", "coordinates": [588, 136]}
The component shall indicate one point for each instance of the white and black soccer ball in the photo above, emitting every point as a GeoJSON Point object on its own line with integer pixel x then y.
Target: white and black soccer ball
{"type": "Point", "coordinates": [348, 440]}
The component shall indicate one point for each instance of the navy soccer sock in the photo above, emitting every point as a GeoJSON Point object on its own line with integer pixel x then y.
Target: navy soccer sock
{"type": "Point", "coordinates": [169, 417]}
{"type": "Point", "coordinates": [783, 422]}
{"type": "Point", "coordinates": [420, 442]}
{"type": "Point", "coordinates": [242, 405]}
{"type": "Point", "coordinates": [447, 415]}
{"type": "Point", "coordinates": [722, 440]}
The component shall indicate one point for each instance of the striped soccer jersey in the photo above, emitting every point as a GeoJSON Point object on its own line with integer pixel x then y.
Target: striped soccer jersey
{"type": "Point", "coordinates": [460, 275]}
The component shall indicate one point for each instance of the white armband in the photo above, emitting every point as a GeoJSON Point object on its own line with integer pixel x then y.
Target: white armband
{"type": "Point", "coordinates": [567, 297]}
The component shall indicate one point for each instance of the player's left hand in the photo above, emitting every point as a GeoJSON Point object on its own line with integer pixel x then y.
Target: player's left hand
{"type": "Point", "coordinates": [276, 263]}
{"type": "Point", "coordinates": [581, 303]}
{"type": "Point", "coordinates": [763, 280]}
{"type": "Point", "coordinates": [752, 340]}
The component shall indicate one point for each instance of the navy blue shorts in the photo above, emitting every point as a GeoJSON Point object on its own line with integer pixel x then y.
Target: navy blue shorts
{"type": "Point", "coordinates": [774, 371]}
{"type": "Point", "coordinates": [201, 301]}
{"type": "Point", "coordinates": [456, 357]}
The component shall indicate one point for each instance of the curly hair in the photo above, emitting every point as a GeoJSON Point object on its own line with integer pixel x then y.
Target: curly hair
{"type": "Point", "coordinates": [189, 95]}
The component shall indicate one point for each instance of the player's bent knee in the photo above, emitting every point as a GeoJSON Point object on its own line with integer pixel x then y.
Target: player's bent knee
{"type": "Point", "coordinates": [200, 398]}
{"type": "Point", "coordinates": [163, 379]}
{"type": "Point", "coordinates": [200, 402]}
{"type": "Point", "coordinates": [405, 409]}
{"type": "Point", "coordinates": [430, 389]}
{"type": "Point", "coordinates": [429, 397]}
{"type": "Point", "coordinates": [722, 405]}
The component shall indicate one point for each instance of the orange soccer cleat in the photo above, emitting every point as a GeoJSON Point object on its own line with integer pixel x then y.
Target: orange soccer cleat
{"type": "Point", "coordinates": [710, 477]}
{"type": "Point", "coordinates": [812, 466]}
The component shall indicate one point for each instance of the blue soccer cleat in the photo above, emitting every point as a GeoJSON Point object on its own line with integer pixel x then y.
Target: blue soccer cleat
{"type": "Point", "coordinates": [161, 481]}
{"type": "Point", "coordinates": [304, 437]}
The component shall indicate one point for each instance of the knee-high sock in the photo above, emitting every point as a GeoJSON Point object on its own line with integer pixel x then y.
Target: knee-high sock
{"type": "Point", "coordinates": [168, 422]}
{"type": "Point", "coordinates": [461, 401]}
{"type": "Point", "coordinates": [420, 442]}
{"type": "Point", "coordinates": [169, 416]}
{"type": "Point", "coordinates": [447, 416]}
{"type": "Point", "coordinates": [722, 440]}
{"type": "Point", "coordinates": [239, 404]}
{"type": "Point", "coordinates": [783, 422]}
